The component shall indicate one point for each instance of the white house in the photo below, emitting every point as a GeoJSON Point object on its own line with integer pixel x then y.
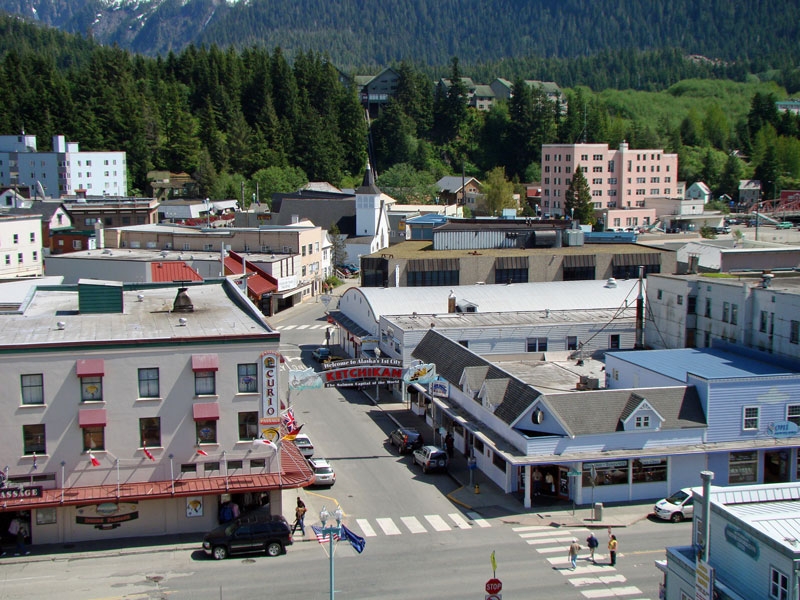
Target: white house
{"type": "Point", "coordinates": [21, 246]}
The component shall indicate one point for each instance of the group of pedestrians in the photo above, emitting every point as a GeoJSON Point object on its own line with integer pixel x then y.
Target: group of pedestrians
{"type": "Point", "coordinates": [592, 543]}
{"type": "Point", "coordinates": [19, 531]}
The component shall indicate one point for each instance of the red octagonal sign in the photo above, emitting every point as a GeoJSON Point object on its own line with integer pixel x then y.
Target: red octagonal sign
{"type": "Point", "coordinates": [493, 586]}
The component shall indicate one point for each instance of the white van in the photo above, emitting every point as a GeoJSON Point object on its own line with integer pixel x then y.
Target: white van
{"type": "Point", "coordinates": [677, 507]}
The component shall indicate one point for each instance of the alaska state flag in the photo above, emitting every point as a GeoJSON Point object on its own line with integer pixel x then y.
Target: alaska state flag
{"type": "Point", "coordinates": [356, 541]}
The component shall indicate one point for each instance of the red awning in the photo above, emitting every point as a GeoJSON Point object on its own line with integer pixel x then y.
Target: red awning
{"type": "Point", "coordinates": [92, 417]}
{"type": "Point", "coordinates": [91, 367]}
{"type": "Point", "coordinates": [205, 362]}
{"type": "Point", "coordinates": [205, 411]}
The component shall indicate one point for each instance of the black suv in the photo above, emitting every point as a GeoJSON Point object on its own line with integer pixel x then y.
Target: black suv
{"type": "Point", "coordinates": [406, 439]}
{"type": "Point", "coordinates": [250, 533]}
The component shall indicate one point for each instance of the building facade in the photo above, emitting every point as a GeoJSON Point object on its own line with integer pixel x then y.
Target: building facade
{"type": "Point", "coordinates": [621, 178]}
{"type": "Point", "coordinates": [21, 246]}
{"type": "Point", "coordinates": [64, 171]}
{"type": "Point", "coordinates": [133, 410]}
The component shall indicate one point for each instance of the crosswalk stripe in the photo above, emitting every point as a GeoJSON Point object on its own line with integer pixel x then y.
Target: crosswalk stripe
{"type": "Point", "coordinates": [611, 592]}
{"type": "Point", "coordinates": [459, 521]}
{"type": "Point", "coordinates": [287, 327]}
{"type": "Point", "coordinates": [549, 540]}
{"type": "Point", "coordinates": [579, 581]}
{"type": "Point", "coordinates": [478, 520]}
{"type": "Point", "coordinates": [388, 526]}
{"type": "Point", "coordinates": [551, 550]}
{"type": "Point", "coordinates": [413, 524]}
{"type": "Point", "coordinates": [302, 327]}
{"type": "Point", "coordinates": [366, 528]}
{"type": "Point", "coordinates": [437, 523]}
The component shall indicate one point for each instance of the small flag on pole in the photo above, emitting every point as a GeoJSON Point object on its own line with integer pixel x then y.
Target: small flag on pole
{"type": "Point", "coordinates": [267, 443]}
{"type": "Point", "coordinates": [290, 437]}
{"type": "Point", "coordinates": [202, 452]}
{"type": "Point", "coordinates": [356, 541]}
{"type": "Point", "coordinates": [147, 453]}
{"type": "Point", "coordinates": [35, 462]}
{"type": "Point", "coordinates": [95, 462]}
{"type": "Point", "coordinates": [322, 537]}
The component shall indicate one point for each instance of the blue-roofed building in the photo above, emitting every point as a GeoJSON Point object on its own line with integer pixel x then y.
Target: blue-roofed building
{"type": "Point", "coordinates": [751, 401]}
{"type": "Point", "coordinates": [753, 549]}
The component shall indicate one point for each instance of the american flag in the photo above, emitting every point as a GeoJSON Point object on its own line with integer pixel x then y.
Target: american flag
{"type": "Point", "coordinates": [322, 538]}
{"type": "Point", "coordinates": [288, 420]}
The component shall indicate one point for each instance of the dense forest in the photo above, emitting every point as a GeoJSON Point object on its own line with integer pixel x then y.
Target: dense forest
{"type": "Point", "coordinates": [359, 34]}
{"type": "Point", "coordinates": [230, 117]}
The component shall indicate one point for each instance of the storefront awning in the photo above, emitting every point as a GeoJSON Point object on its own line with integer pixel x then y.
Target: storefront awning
{"type": "Point", "coordinates": [92, 367]}
{"type": "Point", "coordinates": [92, 417]}
{"type": "Point", "coordinates": [205, 362]}
{"type": "Point", "coordinates": [205, 411]}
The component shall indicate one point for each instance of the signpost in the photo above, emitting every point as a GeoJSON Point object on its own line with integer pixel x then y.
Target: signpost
{"type": "Point", "coordinates": [573, 474]}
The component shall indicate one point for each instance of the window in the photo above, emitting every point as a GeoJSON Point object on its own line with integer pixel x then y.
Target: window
{"type": "Point", "coordinates": [211, 467]}
{"type": "Point", "coordinates": [205, 383]}
{"type": "Point", "coordinates": [691, 308]}
{"type": "Point", "coordinates": [16, 238]}
{"type": "Point", "coordinates": [248, 378]}
{"type": "Point", "coordinates": [572, 342]}
{"type": "Point", "coordinates": [660, 294]}
{"type": "Point", "coordinates": [76, 244]}
{"type": "Point", "coordinates": [537, 344]}
{"type": "Point", "coordinates": [726, 311]}
{"type": "Point", "coordinates": [646, 470]}
{"type": "Point", "coordinates": [762, 325]}
{"type": "Point", "coordinates": [734, 314]}
{"type": "Point", "coordinates": [258, 463]}
{"type": "Point", "coordinates": [750, 418]}
{"type": "Point", "coordinates": [507, 276]}
{"type": "Point", "coordinates": [33, 236]}
{"type": "Point", "coordinates": [150, 432]}
{"type": "Point", "coordinates": [91, 389]}
{"type": "Point", "coordinates": [94, 438]}
{"type": "Point", "coordinates": [793, 413]}
{"type": "Point", "coordinates": [248, 425]}
{"type": "Point", "coordinates": [613, 472]}
{"type": "Point", "coordinates": [206, 431]}
{"type": "Point", "coordinates": [613, 341]}
{"type": "Point", "coordinates": [32, 389]}
{"type": "Point", "coordinates": [794, 333]}
{"type": "Point", "coordinates": [148, 383]}
{"type": "Point", "coordinates": [33, 439]}
{"type": "Point", "coordinates": [779, 585]}
{"type": "Point", "coordinates": [642, 422]}
{"type": "Point", "coordinates": [708, 307]}
{"type": "Point", "coordinates": [188, 468]}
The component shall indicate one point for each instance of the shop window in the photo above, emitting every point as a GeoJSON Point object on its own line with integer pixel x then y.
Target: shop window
{"type": "Point", "coordinates": [205, 383]}
{"type": "Point", "coordinates": [32, 389]}
{"type": "Point", "coordinates": [499, 462]}
{"type": "Point", "coordinates": [248, 425]}
{"type": "Point", "coordinates": [248, 378]}
{"type": "Point", "coordinates": [189, 468]}
{"type": "Point", "coordinates": [150, 432]}
{"type": "Point", "coordinates": [742, 467]}
{"type": "Point", "coordinates": [94, 438]}
{"type": "Point", "coordinates": [234, 465]}
{"type": "Point", "coordinates": [206, 431]}
{"type": "Point", "coordinates": [646, 470]}
{"type": "Point", "coordinates": [211, 467]}
{"type": "Point", "coordinates": [33, 439]}
{"type": "Point", "coordinates": [478, 445]}
{"type": "Point", "coordinates": [148, 383]}
{"type": "Point", "coordinates": [750, 418]}
{"type": "Point", "coordinates": [91, 389]}
{"type": "Point", "coordinates": [613, 472]}
{"type": "Point", "coordinates": [258, 463]}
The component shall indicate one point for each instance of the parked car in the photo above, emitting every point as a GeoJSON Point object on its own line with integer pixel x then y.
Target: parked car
{"type": "Point", "coordinates": [677, 507]}
{"type": "Point", "coordinates": [303, 443]}
{"type": "Point", "coordinates": [323, 472]}
{"type": "Point", "coordinates": [431, 458]}
{"type": "Point", "coordinates": [406, 439]}
{"type": "Point", "coordinates": [257, 532]}
{"type": "Point", "coordinates": [724, 229]}
{"type": "Point", "coordinates": [321, 354]}
{"type": "Point", "coordinates": [784, 225]}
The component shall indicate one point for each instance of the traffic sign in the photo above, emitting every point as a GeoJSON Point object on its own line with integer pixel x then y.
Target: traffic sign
{"type": "Point", "coordinates": [493, 586]}
{"type": "Point", "coordinates": [493, 597]}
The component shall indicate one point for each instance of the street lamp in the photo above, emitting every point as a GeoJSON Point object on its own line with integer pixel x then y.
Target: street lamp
{"type": "Point", "coordinates": [331, 531]}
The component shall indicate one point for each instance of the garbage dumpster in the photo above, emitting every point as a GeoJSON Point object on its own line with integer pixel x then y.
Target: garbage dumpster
{"type": "Point", "coordinates": [598, 511]}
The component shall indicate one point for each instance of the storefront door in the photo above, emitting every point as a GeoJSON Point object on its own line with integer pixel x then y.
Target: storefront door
{"type": "Point", "coordinates": [776, 466]}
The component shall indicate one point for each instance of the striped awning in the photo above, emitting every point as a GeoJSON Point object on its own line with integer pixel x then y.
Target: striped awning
{"type": "Point", "coordinates": [511, 262]}
{"type": "Point", "coordinates": [205, 362]}
{"type": "Point", "coordinates": [92, 417]}
{"type": "Point", "coordinates": [637, 259]}
{"type": "Point", "coordinates": [572, 261]}
{"type": "Point", "coordinates": [433, 264]}
{"type": "Point", "coordinates": [92, 367]}
{"type": "Point", "coordinates": [205, 411]}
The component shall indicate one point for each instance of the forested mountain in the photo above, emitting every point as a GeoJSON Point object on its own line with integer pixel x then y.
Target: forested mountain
{"type": "Point", "coordinates": [362, 33]}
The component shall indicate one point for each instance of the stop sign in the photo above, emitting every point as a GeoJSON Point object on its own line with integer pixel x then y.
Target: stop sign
{"type": "Point", "coordinates": [493, 586]}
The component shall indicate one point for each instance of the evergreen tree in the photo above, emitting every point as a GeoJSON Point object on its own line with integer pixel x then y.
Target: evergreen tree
{"type": "Point", "coordinates": [578, 199]}
{"type": "Point", "coordinates": [732, 173]}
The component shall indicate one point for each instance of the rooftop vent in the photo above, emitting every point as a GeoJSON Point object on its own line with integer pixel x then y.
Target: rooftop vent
{"type": "Point", "coordinates": [766, 279]}
{"type": "Point", "coordinates": [139, 297]}
{"type": "Point", "coordinates": [182, 322]}
{"type": "Point", "coordinates": [60, 325]}
{"type": "Point", "coordinates": [182, 304]}
{"type": "Point", "coordinates": [611, 283]}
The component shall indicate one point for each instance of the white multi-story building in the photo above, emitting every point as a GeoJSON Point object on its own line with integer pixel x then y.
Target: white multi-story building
{"type": "Point", "coordinates": [64, 171]}
{"type": "Point", "coordinates": [133, 409]}
{"type": "Point", "coordinates": [20, 246]}
{"type": "Point", "coordinates": [622, 178]}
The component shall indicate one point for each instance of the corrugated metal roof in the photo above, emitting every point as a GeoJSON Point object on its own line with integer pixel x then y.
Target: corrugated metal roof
{"type": "Point", "coordinates": [173, 271]}
{"type": "Point", "coordinates": [711, 363]}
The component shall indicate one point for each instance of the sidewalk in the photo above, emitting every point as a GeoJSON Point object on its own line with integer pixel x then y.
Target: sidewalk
{"type": "Point", "coordinates": [488, 500]}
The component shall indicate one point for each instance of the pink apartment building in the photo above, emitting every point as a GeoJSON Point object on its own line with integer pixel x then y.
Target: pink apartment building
{"type": "Point", "coordinates": [619, 179]}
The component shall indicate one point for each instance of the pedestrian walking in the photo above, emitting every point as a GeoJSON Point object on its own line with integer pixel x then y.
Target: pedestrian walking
{"type": "Point", "coordinates": [19, 530]}
{"type": "Point", "coordinates": [449, 443]}
{"type": "Point", "coordinates": [574, 548]}
{"type": "Point", "coordinates": [612, 549]}
{"type": "Point", "coordinates": [551, 483]}
{"type": "Point", "coordinates": [537, 482]}
{"type": "Point", "coordinates": [299, 517]}
{"type": "Point", "coordinates": [592, 543]}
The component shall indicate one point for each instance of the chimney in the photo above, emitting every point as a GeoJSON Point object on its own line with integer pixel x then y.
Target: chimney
{"type": "Point", "coordinates": [451, 302]}
{"type": "Point", "coordinates": [182, 304]}
{"type": "Point", "coordinates": [98, 234]}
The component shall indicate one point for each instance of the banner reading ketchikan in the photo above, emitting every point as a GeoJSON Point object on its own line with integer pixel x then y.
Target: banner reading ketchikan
{"type": "Point", "coordinates": [270, 400]}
